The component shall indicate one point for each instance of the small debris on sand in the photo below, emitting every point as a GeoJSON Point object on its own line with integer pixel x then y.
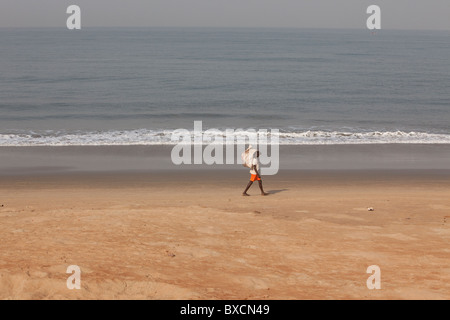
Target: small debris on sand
{"type": "Point", "coordinates": [170, 254]}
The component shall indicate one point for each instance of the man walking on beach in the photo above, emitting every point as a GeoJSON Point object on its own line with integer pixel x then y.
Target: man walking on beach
{"type": "Point", "coordinates": [254, 171]}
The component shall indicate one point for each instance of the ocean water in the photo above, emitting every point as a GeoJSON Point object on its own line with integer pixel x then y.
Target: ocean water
{"type": "Point", "coordinates": [134, 86]}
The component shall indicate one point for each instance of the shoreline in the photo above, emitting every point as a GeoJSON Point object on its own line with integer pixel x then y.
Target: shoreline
{"type": "Point", "coordinates": [49, 160]}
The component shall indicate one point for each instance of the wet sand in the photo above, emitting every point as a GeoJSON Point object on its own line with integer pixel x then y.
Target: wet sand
{"type": "Point", "coordinates": [47, 160]}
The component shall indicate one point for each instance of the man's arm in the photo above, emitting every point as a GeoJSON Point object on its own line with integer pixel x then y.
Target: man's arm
{"type": "Point", "coordinates": [257, 173]}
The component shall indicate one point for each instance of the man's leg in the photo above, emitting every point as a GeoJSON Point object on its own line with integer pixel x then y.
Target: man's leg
{"type": "Point", "coordinates": [261, 187]}
{"type": "Point", "coordinates": [248, 187]}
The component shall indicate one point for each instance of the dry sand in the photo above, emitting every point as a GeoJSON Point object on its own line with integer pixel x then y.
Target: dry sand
{"type": "Point", "coordinates": [192, 235]}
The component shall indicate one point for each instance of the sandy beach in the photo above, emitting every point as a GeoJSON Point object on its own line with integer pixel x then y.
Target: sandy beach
{"type": "Point", "coordinates": [191, 235]}
{"type": "Point", "coordinates": [121, 146]}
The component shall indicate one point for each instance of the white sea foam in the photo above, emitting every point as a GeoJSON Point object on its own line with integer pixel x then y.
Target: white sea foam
{"type": "Point", "coordinates": [164, 137]}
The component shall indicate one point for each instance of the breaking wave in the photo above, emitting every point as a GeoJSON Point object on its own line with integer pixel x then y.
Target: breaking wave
{"type": "Point", "coordinates": [164, 137]}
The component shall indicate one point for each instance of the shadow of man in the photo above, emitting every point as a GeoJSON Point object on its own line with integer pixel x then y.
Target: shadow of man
{"type": "Point", "coordinates": [276, 191]}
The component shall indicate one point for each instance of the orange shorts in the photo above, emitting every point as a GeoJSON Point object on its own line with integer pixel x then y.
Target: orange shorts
{"type": "Point", "coordinates": [254, 177]}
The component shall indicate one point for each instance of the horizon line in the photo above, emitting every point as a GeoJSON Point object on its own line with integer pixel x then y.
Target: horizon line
{"type": "Point", "coordinates": [223, 27]}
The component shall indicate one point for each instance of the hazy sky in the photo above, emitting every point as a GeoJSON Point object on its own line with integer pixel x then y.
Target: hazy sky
{"type": "Point", "coordinates": [396, 14]}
